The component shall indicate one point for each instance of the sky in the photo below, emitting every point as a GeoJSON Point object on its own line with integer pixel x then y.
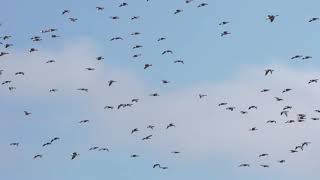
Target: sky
{"type": "Point", "coordinates": [212, 141]}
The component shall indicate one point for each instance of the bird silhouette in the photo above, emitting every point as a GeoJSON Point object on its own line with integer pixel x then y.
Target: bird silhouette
{"type": "Point", "coordinates": [74, 155]}
{"type": "Point", "coordinates": [271, 18]}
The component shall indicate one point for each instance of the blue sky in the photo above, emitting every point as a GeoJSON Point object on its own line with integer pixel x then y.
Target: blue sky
{"type": "Point", "coordinates": [226, 68]}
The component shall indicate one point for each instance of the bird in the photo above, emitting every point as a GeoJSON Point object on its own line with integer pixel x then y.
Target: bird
{"type": "Point", "coordinates": [108, 107]}
{"type": "Point", "coordinates": [54, 36]}
{"type": "Point", "coordinates": [165, 81]}
{"type": "Point", "coordinates": [116, 38]}
{"type": "Point", "coordinates": [27, 113]}
{"type": "Point", "coordinates": [154, 94]}
{"type": "Point", "coordinates": [296, 56]}
{"type": "Point", "coordinates": [150, 127]}
{"type": "Point", "coordinates": [53, 90]}
{"type": "Point", "coordinates": [6, 82]}
{"type": "Point", "coordinates": [313, 81]}
{"type": "Point", "coordinates": [188, 1]}
{"type": "Point", "coordinates": [33, 50]}
{"type": "Point", "coordinates": [103, 149]}
{"type": "Point", "coordinates": [170, 125]}
{"type": "Point", "coordinates": [307, 57]}
{"type": "Point", "coordinates": [264, 165]}
{"type": "Point", "coordinates": [252, 107]}
{"type": "Point", "coordinates": [244, 112]}
{"type": "Point", "coordinates": [271, 121]}
{"type": "Point", "coordinates": [6, 37]}
{"type": "Point", "coordinates": [267, 71]}
{"type": "Point", "coordinates": [51, 61]}
{"type": "Point", "coordinates": [271, 18]}
{"type": "Point", "coordinates": [73, 19]}
{"type": "Point", "coordinates": [179, 61]}
{"type": "Point", "coordinates": [287, 107]}
{"type": "Point", "coordinates": [265, 90]}
{"type": "Point", "coordinates": [284, 113]}
{"type": "Point", "coordinates": [278, 99]}
{"type": "Point", "coordinates": [263, 155]}
{"type": "Point", "coordinates": [222, 104]}
{"type": "Point", "coordinates": [161, 39]}
{"type": "Point", "coordinates": [74, 155]}
{"type": "Point", "coordinates": [134, 130]}
{"type": "Point", "coordinates": [202, 96]}
{"type": "Point", "coordinates": [224, 33]}
{"type": "Point", "coordinates": [286, 90]}
{"type": "Point", "coordinates": [293, 151]}
{"type": "Point", "coordinates": [114, 17]}
{"type": "Point", "coordinates": [134, 155]}
{"type": "Point", "coordinates": [83, 89]}
{"type": "Point", "coordinates": [100, 8]}
{"type": "Point", "coordinates": [223, 23]}
{"type": "Point", "coordinates": [65, 11]}
{"type": "Point", "coordinates": [37, 156]}
{"type": "Point", "coordinates": [135, 17]}
{"type": "Point", "coordinates": [147, 66]}
{"type": "Point", "coordinates": [134, 100]}
{"type": "Point", "coordinates": [167, 51]}
{"type": "Point", "coordinates": [282, 161]}
{"type": "Point", "coordinates": [46, 144]}
{"type": "Point", "coordinates": [244, 165]}
{"type": "Point", "coordinates": [123, 4]}
{"type": "Point", "coordinates": [83, 121]}
{"type": "Point", "coordinates": [147, 137]}
{"type": "Point", "coordinates": [135, 33]}
{"type": "Point", "coordinates": [3, 53]}
{"type": "Point", "coordinates": [231, 108]}
{"type": "Point", "coordinates": [14, 144]}
{"type": "Point", "coordinates": [175, 152]}
{"type": "Point", "coordinates": [253, 129]}
{"type": "Point", "coordinates": [111, 82]}
{"type": "Point", "coordinates": [202, 4]}
{"type": "Point", "coordinates": [11, 88]}
{"type": "Point", "coordinates": [313, 19]}
{"type": "Point", "coordinates": [8, 45]}
{"type": "Point", "coordinates": [156, 165]}
{"type": "Point", "coordinates": [93, 148]}
{"type": "Point", "coordinates": [90, 69]}
{"type": "Point", "coordinates": [178, 11]}
{"type": "Point", "coordinates": [99, 58]}
{"type": "Point", "coordinates": [19, 73]}
{"type": "Point", "coordinates": [137, 46]}
{"type": "Point", "coordinates": [54, 139]}
{"type": "Point", "coordinates": [290, 121]}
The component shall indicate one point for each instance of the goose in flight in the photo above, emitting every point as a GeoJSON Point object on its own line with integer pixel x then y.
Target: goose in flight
{"type": "Point", "coordinates": [134, 130]}
{"type": "Point", "coordinates": [286, 90]}
{"type": "Point", "coordinates": [14, 144]}
{"type": "Point", "coordinates": [134, 100]}
{"type": "Point", "coordinates": [156, 165]}
{"type": "Point", "coordinates": [6, 82]}
{"type": "Point", "coordinates": [51, 61]}
{"type": "Point", "coordinates": [307, 57]}
{"type": "Point", "coordinates": [116, 38]}
{"type": "Point", "coordinates": [65, 11]}
{"type": "Point", "coordinates": [99, 58]}
{"type": "Point", "coordinates": [103, 149]}
{"type": "Point", "coordinates": [252, 107]}
{"type": "Point", "coordinates": [36, 38]}
{"type": "Point", "coordinates": [27, 113]}
{"type": "Point", "coordinates": [19, 73]}
{"type": "Point", "coordinates": [54, 139]}
{"type": "Point", "coordinates": [37, 156]}
{"type": "Point", "coordinates": [83, 121]}
{"type": "Point", "coordinates": [305, 144]}
{"type": "Point", "coordinates": [315, 119]}
{"type": "Point", "coordinates": [293, 151]}
{"type": "Point", "coordinates": [3, 53]}
{"type": "Point", "coordinates": [296, 56]}
{"type": "Point", "coordinates": [150, 127]}
{"type": "Point", "coordinates": [223, 23]}
{"type": "Point", "coordinates": [170, 125]}
{"type": "Point", "coordinates": [12, 88]}
{"type": "Point", "coordinates": [33, 50]}
{"type": "Point", "coordinates": [179, 61]}
{"type": "Point", "coordinates": [164, 167]}
{"type": "Point", "coordinates": [108, 107]}
{"type": "Point", "coordinates": [287, 107]}
{"type": "Point", "coordinates": [136, 55]}
{"type": "Point", "coordinates": [313, 19]}
{"type": "Point", "coordinates": [114, 17]}
{"type": "Point", "coordinates": [135, 33]}
{"type": "Point", "coordinates": [271, 121]}
{"type": "Point", "coordinates": [93, 148]}
{"type": "Point", "coordinates": [278, 99]}
{"type": "Point", "coordinates": [8, 45]}
{"type": "Point", "coordinates": [83, 89]}
{"type": "Point", "coordinates": [147, 137]}
{"type": "Point", "coordinates": [90, 69]}
{"type": "Point", "coordinates": [224, 33]}
{"type": "Point", "coordinates": [154, 94]}
{"type": "Point", "coordinates": [167, 51]}
{"type": "Point", "coordinates": [134, 155]}
{"type": "Point", "coordinates": [74, 155]}
{"type": "Point", "coordinates": [175, 152]}
{"type": "Point", "coordinates": [165, 81]}
{"type": "Point", "coordinates": [53, 90]}
{"type": "Point", "coordinates": [202, 4]}
{"type": "Point", "coordinates": [313, 81]}
{"type": "Point", "coordinates": [263, 155]}
{"type": "Point", "coordinates": [188, 1]}
{"type": "Point", "coordinates": [111, 82]}
{"type": "Point", "coordinates": [135, 17]}
{"type": "Point", "coordinates": [267, 71]}
{"type": "Point", "coordinates": [290, 121]}
{"type": "Point", "coordinates": [244, 165]}
{"type": "Point", "coordinates": [137, 46]}
{"type": "Point", "coordinates": [264, 165]}
{"type": "Point", "coordinates": [271, 18]}
{"type": "Point", "coordinates": [253, 129]}
{"type": "Point", "coordinates": [244, 112]}
{"type": "Point", "coordinates": [231, 108]}
{"type": "Point", "coordinates": [178, 11]}
{"type": "Point", "coordinates": [46, 144]}
{"type": "Point", "coordinates": [282, 161]}
{"type": "Point", "coordinates": [54, 36]}
{"type": "Point", "coordinates": [73, 19]}
{"type": "Point", "coordinates": [202, 96]}
{"type": "Point", "coordinates": [222, 104]}
{"type": "Point", "coordinates": [161, 39]}
{"type": "Point", "coordinates": [123, 4]}
{"type": "Point", "coordinates": [284, 113]}
{"type": "Point", "coordinates": [265, 90]}
{"type": "Point", "coordinates": [147, 66]}
{"type": "Point", "coordinates": [100, 8]}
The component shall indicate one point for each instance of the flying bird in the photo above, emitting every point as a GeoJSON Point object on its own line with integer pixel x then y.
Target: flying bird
{"type": "Point", "coordinates": [147, 137]}
{"type": "Point", "coordinates": [74, 155]}
{"type": "Point", "coordinates": [271, 18]}
{"type": "Point", "coordinates": [313, 19]}
{"type": "Point", "coordinates": [268, 71]}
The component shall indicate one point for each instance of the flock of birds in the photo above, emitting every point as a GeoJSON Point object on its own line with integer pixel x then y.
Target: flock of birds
{"type": "Point", "coordinates": [52, 31]}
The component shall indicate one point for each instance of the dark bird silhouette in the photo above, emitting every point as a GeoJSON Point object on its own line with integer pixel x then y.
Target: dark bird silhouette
{"type": "Point", "coordinates": [284, 113]}
{"type": "Point", "coordinates": [282, 161]}
{"type": "Point", "coordinates": [313, 19]}
{"type": "Point", "coordinates": [278, 99]}
{"type": "Point", "coordinates": [178, 11]}
{"type": "Point", "coordinates": [12, 88]}
{"type": "Point", "coordinates": [265, 90]}
{"type": "Point", "coordinates": [74, 155]}
{"type": "Point", "coordinates": [267, 71]}
{"type": "Point", "coordinates": [27, 113]}
{"type": "Point", "coordinates": [65, 11]}
{"type": "Point", "coordinates": [6, 37]}
{"type": "Point", "coordinates": [271, 18]}
{"type": "Point", "coordinates": [83, 121]}
{"type": "Point", "coordinates": [136, 55]}
{"type": "Point", "coordinates": [33, 50]}
{"type": "Point", "coordinates": [103, 149]}
{"type": "Point", "coordinates": [6, 82]}
{"type": "Point", "coordinates": [222, 104]}
{"type": "Point", "coordinates": [37, 156]}
{"type": "Point", "coordinates": [114, 17]}
{"type": "Point", "coordinates": [293, 151]}
{"type": "Point", "coordinates": [175, 152]}
{"type": "Point", "coordinates": [162, 38]}
{"type": "Point", "coordinates": [252, 107]}
{"type": "Point", "coordinates": [231, 108]}
{"type": "Point", "coordinates": [244, 112]}
{"type": "Point", "coordinates": [307, 57]}
{"type": "Point", "coordinates": [313, 81]}
{"type": "Point", "coordinates": [134, 130]}
{"type": "Point", "coordinates": [116, 38]}
{"type": "Point", "coordinates": [147, 137]}
{"type": "Point", "coordinates": [154, 94]}
{"type": "Point", "coordinates": [264, 165]}
{"type": "Point", "coordinates": [290, 121]}
{"type": "Point", "coordinates": [263, 155]}
{"type": "Point", "coordinates": [134, 100]}
{"type": "Point", "coordinates": [100, 8]}
{"type": "Point", "coordinates": [156, 165]}
{"type": "Point", "coordinates": [287, 107]}
{"type": "Point", "coordinates": [202, 4]}
{"type": "Point", "coordinates": [134, 155]}
{"type": "Point", "coordinates": [93, 148]}
{"type": "Point", "coordinates": [99, 58]}
{"type": "Point", "coordinates": [202, 96]}
{"type": "Point", "coordinates": [111, 82]}
{"type": "Point", "coordinates": [8, 45]}
{"type": "Point", "coordinates": [296, 56]}
{"type": "Point", "coordinates": [137, 46]}
{"type": "Point", "coordinates": [244, 165]}
{"type": "Point", "coordinates": [170, 125]}
{"type": "Point", "coordinates": [54, 36]}
{"type": "Point", "coordinates": [3, 53]}
{"type": "Point", "coordinates": [108, 107]}
{"type": "Point", "coordinates": [54, 139]}
{"type": "Point", "coordinates": [167, 51]}
{"type": "Point", "coordinates": [90, 69]}
{"type": "Point", "coordinates": [150, 127]}
{"type": "Point", "coordinates": [179, 61]}
{"type": "Point", "coordinates": [135, 17]}
{"type": "Point", "coordinates": [315, 119]}
{"type": "Point", "coordinates": [165, 81]}
{"type": "Point", "coordinates": [147, 66]}
{"type": "Point", "coordinates": [224, 33]}
{"type": "Point", "coordinates": [271, 121]}
{"type": "Point", "coordinates": [73, 19]}
{"type": "Point", "coordinates": [188, 1]}
{"type": "Point", "coordinates": [14, 144]}
{"type": "Point", "coordinates": [123, 4]}
{"type": "Point", "coordinates": [223, 23]}
{"type": "Point", "coordinates": [53, 90]}
{"type": "Point", "coordinates": [135, 33]}
{"type": "Point", "coordinates": [83, 89]}
{"type": "Point", "coordinates": [51, 61]}
{"type": "Point", "coordinates": [46, 144]}
{"type": "Point", "coordinates": [253, 129]}
{"type": "Point", "coordinates": [286, 90]}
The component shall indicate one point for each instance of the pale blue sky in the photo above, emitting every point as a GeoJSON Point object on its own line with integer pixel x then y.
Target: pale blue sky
{"type": "Point", "coordinates": [193, 36]}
